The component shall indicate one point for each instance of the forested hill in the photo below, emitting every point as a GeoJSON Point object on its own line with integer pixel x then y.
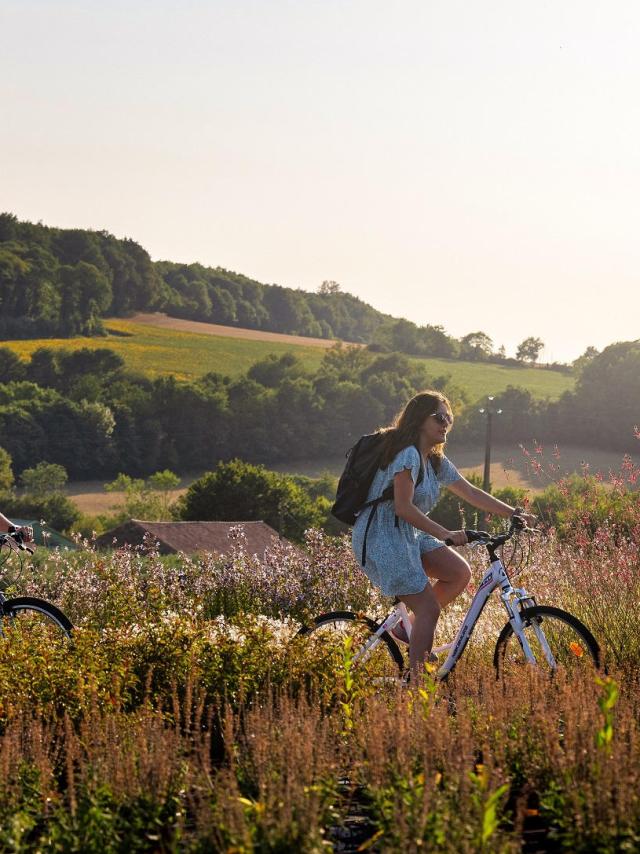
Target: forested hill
{"type": "Point", "coordinates": [58, 282]}
{"type": "Point", "coordinates": [61, 282]}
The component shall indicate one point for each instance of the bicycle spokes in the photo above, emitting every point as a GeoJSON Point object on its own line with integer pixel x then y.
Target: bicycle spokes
{"type": "Point", "coordinates": [556, 641]}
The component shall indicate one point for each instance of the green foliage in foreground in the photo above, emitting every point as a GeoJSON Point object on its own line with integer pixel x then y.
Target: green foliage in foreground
{"type": "Point", "coordinates": [271, 777]}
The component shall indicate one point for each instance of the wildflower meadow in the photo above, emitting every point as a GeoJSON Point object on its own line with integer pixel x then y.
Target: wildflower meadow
{"type": "Point", "coordinates": [187, 715]}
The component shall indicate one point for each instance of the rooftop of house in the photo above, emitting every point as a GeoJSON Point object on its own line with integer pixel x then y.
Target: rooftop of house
{"type": "Point", "coordinates": [188, 537]}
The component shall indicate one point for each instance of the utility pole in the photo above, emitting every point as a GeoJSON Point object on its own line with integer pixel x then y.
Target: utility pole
{"type": "Point", "coordinates": [489, 411]}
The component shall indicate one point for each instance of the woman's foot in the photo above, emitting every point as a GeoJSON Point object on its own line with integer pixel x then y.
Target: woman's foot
{"type": "Point", "coordinates": [406, 679]}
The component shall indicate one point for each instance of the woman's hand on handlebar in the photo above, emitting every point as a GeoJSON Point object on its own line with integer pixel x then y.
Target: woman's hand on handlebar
{"type": "Point", "coordinates": [25, 533]}
{"type": "Point", "coordinates": [456, 538]}
{"type": "Point", "coordinates": [521, 519]}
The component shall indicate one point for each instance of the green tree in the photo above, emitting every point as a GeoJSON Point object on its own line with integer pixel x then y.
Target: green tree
{"type": "Point", "coordinates": [43, 497]}
{"type": "Point", "coordinates": [12, 368]}
{"type": "Point", "coordinates": [288, 309]}
{"type": "Point", "coordinates": [272, 370]}
{"type": "Point", "coordinates": [44, 367]}
{"type": "Point", "coordinates": [44, 479]}
{"type": "Point", "coordinates": [139, 502]}
{"type": "Point", "coordinates": [143, 499]}
{"type": "Point", "coordinates": [6, 472]}
{"type": "Point", "coordinates": [434, 341]}
{"type": "Point", "coordinates": [583, 360]}
{"type": "Point", "coordinates": [345, 362]}
{"type": "Point", "coordinates": [329, 287]}
{"type": "Point", "coordinates": [55, 509]}
{"type": "Point", "coordinates": [239, 492]}
{"type": "Point", "coordinates": [476, 347]}
{"type": "Point", "coordinates": [529, 349]}
{"type": "Point", "coordinates": [605, 403]}
{"type": "Point", "coordinates": [162, 482]}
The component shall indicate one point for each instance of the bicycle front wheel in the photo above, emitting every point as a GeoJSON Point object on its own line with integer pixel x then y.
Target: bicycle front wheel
{"type": "Point", "coordinates": [35, 618]}
{"type": "Point", "coordinates": [381, 662]}
{"type": "Point", "coordinates": [557, 639]}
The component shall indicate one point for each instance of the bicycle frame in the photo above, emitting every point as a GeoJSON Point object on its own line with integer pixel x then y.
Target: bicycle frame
{"type": "Point", "coordinates": [513, 599]}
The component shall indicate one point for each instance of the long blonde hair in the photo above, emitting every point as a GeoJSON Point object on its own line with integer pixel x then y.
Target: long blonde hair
{"type": "Point", "coordinates": [404, 431]}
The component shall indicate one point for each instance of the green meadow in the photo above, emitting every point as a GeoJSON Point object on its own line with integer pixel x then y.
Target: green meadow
{"type": "Point", "coordinates": [156, 351]}
{"type": "Point", "coordinates": [475, 378]}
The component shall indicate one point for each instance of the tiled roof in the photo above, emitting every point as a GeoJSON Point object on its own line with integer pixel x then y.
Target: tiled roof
{"type": "Point", "coordinates": [188, 537]}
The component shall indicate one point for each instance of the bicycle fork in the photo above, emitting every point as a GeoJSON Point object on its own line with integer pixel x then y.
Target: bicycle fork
{"type": "Point", "coordinates": [515, 600]}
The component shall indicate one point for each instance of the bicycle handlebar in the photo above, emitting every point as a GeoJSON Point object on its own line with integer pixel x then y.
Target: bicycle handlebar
{"type": "Point", "coordinates": [494, 541]}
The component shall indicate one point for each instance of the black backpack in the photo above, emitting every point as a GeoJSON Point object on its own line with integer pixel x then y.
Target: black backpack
{"type": "Point", "coordinates": [363, 461]}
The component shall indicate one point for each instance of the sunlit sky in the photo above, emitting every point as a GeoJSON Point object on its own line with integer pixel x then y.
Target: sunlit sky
{"type": "Point", "coordinates": [474, 165]}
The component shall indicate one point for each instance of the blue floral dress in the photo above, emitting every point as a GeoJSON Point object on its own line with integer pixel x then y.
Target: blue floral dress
{"type": "Point", "coordinates": [393, 560]}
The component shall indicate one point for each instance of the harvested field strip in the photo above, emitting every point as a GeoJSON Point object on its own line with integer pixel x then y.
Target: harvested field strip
{"type": "Point", "coordinates": [178, 324]}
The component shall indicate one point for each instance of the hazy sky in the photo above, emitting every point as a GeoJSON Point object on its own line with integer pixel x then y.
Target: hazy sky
{"type": "Point", "coordinates": [472, 164]}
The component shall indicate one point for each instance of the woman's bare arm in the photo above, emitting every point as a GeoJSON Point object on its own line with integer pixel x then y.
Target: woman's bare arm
{"type": "Point", "coordinates": [479, 498]}
{"type": "Point", "coordinates": [403, 489]}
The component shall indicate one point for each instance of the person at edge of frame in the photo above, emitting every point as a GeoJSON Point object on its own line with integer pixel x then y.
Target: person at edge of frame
{"type": "Point", "coordinates": [404, 547]}
{"type": "Point", "coordinates": [7, 526]}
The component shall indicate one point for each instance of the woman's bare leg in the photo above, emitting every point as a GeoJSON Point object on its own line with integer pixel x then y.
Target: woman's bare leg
{"type": "Point", "coordinates": [426, 611]}
{"type": "Point", "coordinates": [451, 571]}
{"type": "Point", "coordinates": [452, 575]}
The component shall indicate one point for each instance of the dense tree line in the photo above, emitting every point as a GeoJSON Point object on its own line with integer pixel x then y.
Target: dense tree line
{"type": "Point", "coordinates": [603, 411]}
{"type": "Point", "coordinates": [61, 282]}
{"type": "Point", "coordinates": [83, 410]}
{"type": "Point", "coordinates": [216, 295]}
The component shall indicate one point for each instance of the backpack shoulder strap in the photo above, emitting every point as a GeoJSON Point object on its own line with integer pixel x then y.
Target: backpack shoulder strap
{"type": "Point", "coordinates": [421, 472]}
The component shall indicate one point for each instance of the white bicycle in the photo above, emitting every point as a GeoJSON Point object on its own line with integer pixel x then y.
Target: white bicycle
{"type": "Point", "coordinates": [536, 634]}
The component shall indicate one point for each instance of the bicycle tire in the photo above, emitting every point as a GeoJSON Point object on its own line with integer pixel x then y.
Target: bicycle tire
{"type": "Point", "coordinates": [571, 643]}
{"type": "Point", "coordinates": [386, 660]}
{"type": "Point", "coordinates": [46, 616]}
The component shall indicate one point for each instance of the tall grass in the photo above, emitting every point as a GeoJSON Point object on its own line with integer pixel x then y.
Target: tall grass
{"type": "Point", "coordinates": [469, 772]}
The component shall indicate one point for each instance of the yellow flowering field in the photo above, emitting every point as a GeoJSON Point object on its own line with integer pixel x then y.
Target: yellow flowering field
{"type": "Point", "coordinates": [156, 351]}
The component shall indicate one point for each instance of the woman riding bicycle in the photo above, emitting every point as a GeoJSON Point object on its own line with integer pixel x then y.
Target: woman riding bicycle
{"type": "Point", "coordinates": [404, 547]}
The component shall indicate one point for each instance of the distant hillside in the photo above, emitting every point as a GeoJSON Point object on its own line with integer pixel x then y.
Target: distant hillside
{"type": "Point", "coordinates": [58, 282]}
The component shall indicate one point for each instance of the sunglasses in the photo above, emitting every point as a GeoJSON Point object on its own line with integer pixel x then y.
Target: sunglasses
{"type": "Point", "coordinates": [443, 418]}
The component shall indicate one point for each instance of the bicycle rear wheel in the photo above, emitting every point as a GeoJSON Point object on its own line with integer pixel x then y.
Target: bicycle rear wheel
{"type": "Point", "coordinates": [382, 662]}
{"type": "Point", "coordinates": [558, 640]}
{"type": "Point", "coordinates": [34, 618]}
